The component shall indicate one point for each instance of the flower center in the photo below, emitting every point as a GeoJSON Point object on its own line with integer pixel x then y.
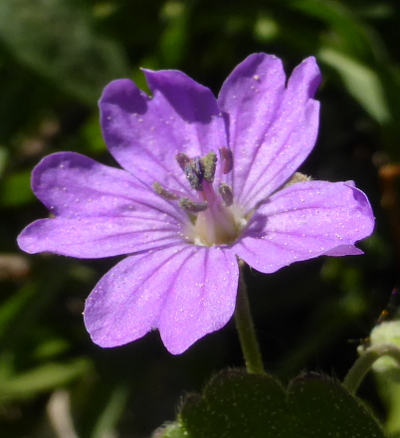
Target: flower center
{"type": "Point", "coordinates": [214, 218]}
{"type": "Point", "coordinates": [216, 225]}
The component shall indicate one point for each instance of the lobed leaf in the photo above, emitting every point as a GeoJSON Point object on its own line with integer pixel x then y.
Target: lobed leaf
{"type": "Point", "coordinates": [235, 404]}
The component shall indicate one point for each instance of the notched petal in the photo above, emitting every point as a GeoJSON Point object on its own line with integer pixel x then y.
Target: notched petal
{"type": "Point", "coordinates": [304, 221]}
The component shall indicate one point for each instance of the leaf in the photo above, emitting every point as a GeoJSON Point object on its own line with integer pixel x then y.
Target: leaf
{"type": "Point", "coordinates": [56, 39]}
{"type": "Point", "coordinates": [41, 379]}
{"type": "Point", "coordinates": [173, 41]}
{"type": "Point", "coordinates": [111, 412]}
{"type": "Point", "coordinates": [13, 306]}
{"type": "Point", "coordinates": [3, 159]}
{"type": "Point", "coordinates": [172, 430]}
{"type": "Point", "coordinates": [322, 407]}
{"type": "Point", "coordinates": [92, 139]}
{"type": "Point", "coordinates": [236, 405]}
{"type": "Point", "coordinates": [355, 36]}
{"type": "Point", "coordinates": [16, 189]}
{"type": "Point", "coordinates": [50, 347]}
{"type": "Point", "coordinates": [361, 81]}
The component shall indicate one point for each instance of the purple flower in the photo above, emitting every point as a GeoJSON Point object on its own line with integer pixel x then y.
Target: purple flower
{"type": "Point", "coordinates": [205, 181]}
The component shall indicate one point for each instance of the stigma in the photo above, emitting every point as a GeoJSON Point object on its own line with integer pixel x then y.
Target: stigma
{"type": "Point", "coordinates": [214, 219]}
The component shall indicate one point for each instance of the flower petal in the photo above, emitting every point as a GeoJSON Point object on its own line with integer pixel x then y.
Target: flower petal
{"type": "Point", "coordinates": [144, 134]}
{"type": "Point", "coordinates": [304, 221]}
{"type": "Point", "coordinates": [96, 204]}
{"type": "Point", "coordinates": [127, 301]}
{"type": "Point", "coordinates": [272, 129]}
{"type": "Point", "coordinates": [96, 237]}
{"type": "Point", "coordinates": [73, 185]}
{"type": "Point", "coordinates": [176, 289]}
{"type": "Point", "coordinates": [203, 298]}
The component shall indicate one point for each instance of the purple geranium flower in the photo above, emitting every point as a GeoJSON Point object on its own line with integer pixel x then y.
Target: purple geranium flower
{"type": "Point", "coordinates": [205, 181]}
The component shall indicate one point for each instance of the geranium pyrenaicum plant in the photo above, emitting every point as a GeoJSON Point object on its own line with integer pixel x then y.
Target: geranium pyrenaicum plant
{"type": "Point", "coordinates": [205, 181]}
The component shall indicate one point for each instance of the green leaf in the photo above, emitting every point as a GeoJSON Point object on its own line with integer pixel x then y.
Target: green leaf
{"type": "Point", "coordinates": [16, 189]}
{"type": "Point", "coordinates": [112, 412]}
{"type": "Point", "coordinates": [13, 306]}
{"type": "Point", "coordinates": [3, 159]}
{"type": "Point", "coordinates": [41, 379]}
{"type": "Point", "coordinates": [361, 81]}
{"type": "Point", "coordinates": [173, 41]}
{"type": "Point", "coordinates": [354, 36]}
{"type": "Point", "coordinates": [235, 405]}
{"type": "Point", "coordinates": [50, 347]}
{"type": "Point", "coordinates": [173, 430]}
{"type": "Point", "coordinates": [92, 139]}
{"type": "Point", "coordinates": [56, 39]}
{"type": "Point", "coordinates": [321, 407]}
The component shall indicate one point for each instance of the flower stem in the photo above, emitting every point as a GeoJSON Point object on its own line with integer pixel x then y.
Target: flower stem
{"type": "Point", "coordinates": [245, 328]}
{"type": "Point", "coordinates": [364, 363]}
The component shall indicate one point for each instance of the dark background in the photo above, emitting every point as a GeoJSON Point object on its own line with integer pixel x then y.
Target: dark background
{"type": "Point", "coordinates": [55, 58]}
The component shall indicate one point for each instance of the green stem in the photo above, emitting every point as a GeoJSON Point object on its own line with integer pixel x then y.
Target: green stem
{"type": "Point", "coordinates": [364, 363]}
{"type": "Point", "coordinates": [245, 328]}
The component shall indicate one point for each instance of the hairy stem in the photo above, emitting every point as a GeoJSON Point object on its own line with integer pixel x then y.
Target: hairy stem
{"type": "Point", "coordinates": [245, 328]}
{"type": "Point", "coordinates": [364, 363]}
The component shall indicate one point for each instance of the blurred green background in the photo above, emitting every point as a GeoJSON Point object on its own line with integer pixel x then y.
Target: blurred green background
{"type": "Point", "coordinates": [55, 58]}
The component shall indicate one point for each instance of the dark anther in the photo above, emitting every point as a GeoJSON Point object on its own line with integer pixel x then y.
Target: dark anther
{"type": "Point", "coordinates": [226, 159]}
{"type": "Point", "coordinates": [197, 166]}
{"type": "Point", "coordinates": [182, 160]}
{"type": "Point", "coordinates": [226, 194]}
{"type": "Point", "coordinates": [194, 174]}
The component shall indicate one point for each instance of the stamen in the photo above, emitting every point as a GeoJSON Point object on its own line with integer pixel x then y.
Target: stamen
{"type": "Point", "coordinates": [226, 159]}
{"type": "Point", "coordinates": [182, 160]}
{"type": "Point", "coordinates": [164, 193]}
{"type": "Point", "coordinates": [194, 173]}
{"type": "Point", "coordinates": [226, 193]}
{"type": "Point", "coordinates": [192, 206]}
{"type": "Point", "coordinates": [208, 165]}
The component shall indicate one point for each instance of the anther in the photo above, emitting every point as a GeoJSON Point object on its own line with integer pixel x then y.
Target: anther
{"type": "Point", "coordinates": [226, 159]}
{"type": "Point", "coordinates": [226, 194]}
{"type": "Point", "coordinates": [208, 165]}
{"type": "Point", "coordinates": [182, 159]}
{"type": "Point", "coordinates": [196, 164]}
{"type": "Point", "coordinates": [192, 206]}
{"type": "Point", "coordinates": [159, 189]}
{"type": "Point", "coordinates": [194, 173]}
